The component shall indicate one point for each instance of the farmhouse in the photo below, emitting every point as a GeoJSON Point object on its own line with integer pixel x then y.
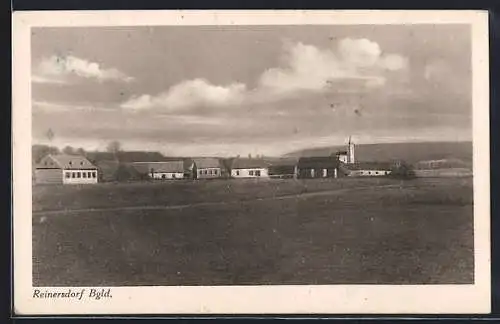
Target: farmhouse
{"type": "Point", "coordinates": [318, 167]}
{"type": "Point", "coordinates": [369, 169]}
{"type": "Point", "coordinates": [249, 168]}
{"type": "Point", "coordinates": [66, 169]}
{"type": "Point", "coordinates": [283, 168]}
{"type": "Point", "coordinates": [167, 170]}
{"type": "Point", "coordinates": [206, 168]}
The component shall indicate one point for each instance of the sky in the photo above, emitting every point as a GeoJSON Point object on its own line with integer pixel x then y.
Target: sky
{"type": "Point", "coordinates": [238, 90]}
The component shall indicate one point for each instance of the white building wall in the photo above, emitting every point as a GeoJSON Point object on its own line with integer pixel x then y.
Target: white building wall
{"type": "Point", "coordinates": [168, 175]}
{"type": "Point", "coordinates": [209, 173]}
{"type": "Point", "coordinates": [343, 158]}
{"type": "Point", "coordinates": [250, 173]}
{"type": "Point", "coordinates": [351, 153]}
{"type": "Point", "coordinates": [79, 176]}
{"type": "Point", "coordinates": [370, 173]}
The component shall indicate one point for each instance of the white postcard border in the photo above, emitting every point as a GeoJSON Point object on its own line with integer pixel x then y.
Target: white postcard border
{"type": "Point", "coordinates": [319, 299]}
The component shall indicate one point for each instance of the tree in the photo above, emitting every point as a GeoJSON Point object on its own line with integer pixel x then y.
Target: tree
{"type": "Point", "coordinates": [40, 151]}
{"type": "Point", "coordinates": [80, 151]}
{"type": "Point", "coordinates": [402, 170]}
{"type": "Point", "coordinates": [69, 150]}
{"type": "Point", "coordinates": [114, 147]}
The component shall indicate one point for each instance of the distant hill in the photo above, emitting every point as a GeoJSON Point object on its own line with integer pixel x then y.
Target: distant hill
{"type": "Point", "coordinates": [410, 152]}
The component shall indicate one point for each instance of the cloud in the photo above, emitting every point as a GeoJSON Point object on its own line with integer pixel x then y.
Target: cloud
{"type": "Point", "coordinates": [46, 106]}
{"type": "Point", "coordinates": [190, 93]}
{"type": "Point", "coordinates": [57, 69]}
{"type": "Point", "coordinates": [356, 61]}
{"type": "Point", "coordinates": [355, 65]}
{"type": "Point", "coordinates": [41, 79]}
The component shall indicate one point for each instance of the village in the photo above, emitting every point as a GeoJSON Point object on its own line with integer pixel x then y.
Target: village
{"type": "Point", "coordinates": [94, 167]}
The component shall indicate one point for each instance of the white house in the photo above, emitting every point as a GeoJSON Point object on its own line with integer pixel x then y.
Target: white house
{"type": "Point", "coordinates": [168, 170]}
{"type": "Point", "coordinates": [249, 168]}
{"type": "Point", "coordinates": [66, 169]}
{"type": "Point", "coordinates": [207, 168]}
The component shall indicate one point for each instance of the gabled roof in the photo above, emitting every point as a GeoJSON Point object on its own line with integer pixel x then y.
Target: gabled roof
{"type": "Point", "coordinates": [244, 163]}
{"type": "Point", "coordinates": [318, 162]}
{"type": "Point", "coordinates": [96, 157]}
{"type": "Point", "coordinates": [148, 167]}
{"type": "Point", "coordinates": [368, 165]}
{"type": "Point", "coordinates": [63, 161]}
{"type": "Point", "coordinates": [202, 163]}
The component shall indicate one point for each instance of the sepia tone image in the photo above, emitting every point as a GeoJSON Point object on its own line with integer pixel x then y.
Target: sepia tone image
{"type": "Point", "coordinates": [252, 155]}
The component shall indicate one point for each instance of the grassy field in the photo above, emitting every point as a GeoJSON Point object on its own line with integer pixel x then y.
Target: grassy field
{"type": "Point", "coordinates": [337, 231]}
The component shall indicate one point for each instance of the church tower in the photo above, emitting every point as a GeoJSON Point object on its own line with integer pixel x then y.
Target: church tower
{"type": "Point", "coordinates": [350, 151]}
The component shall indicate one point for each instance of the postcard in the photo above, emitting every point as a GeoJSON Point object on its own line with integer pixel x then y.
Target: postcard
{"type": "Point", "coordinates": [251, 162]}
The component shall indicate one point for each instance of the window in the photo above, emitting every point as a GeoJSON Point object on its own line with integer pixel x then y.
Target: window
{"type": "Point", "coordinates": [215, 171]}
{"type": "Point", "coordinates": [206, 172]}
{"type": "Point", "coordinates": [73, 174]}
{"type": "Point", "coordinates": [250, 172]}
{"type": "Point", "coordinates": [163, 176]}
{"type": "Point", "coordinates": [238, 172]}
{"type": "Point", "coordinates": [67, 174]}
{"type": "Point", "coordinates": [84, 174]}
{"type": "Point", "coordinates": [94, 174]}
{"type": "Point", "coordinates": [70, 163]}
{"type": "Point", "coordinates": [257, 173]}
{"type": "Point", "coordinates": [369, 172]}
{"type": "Point", "coordinates": [81, 162]}
{"type": "Point", "coordinates": [89, 174]}
{"type": "Point", "coordinates": [78, 175]}
{"type": "Point", "coordinates": [173, 175]}
{"type": "Point", "coordinates": [210, 172]}
{"type": "Point", "coordinates": [376, 172]}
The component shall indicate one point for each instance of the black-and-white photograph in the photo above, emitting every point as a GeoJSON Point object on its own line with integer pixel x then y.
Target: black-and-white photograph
{"type": "Point", "coordinates": [252, 155]}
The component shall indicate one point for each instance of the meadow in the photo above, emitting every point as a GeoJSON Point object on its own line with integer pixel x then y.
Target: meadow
{"type": "Point", "coordinates": [252, 232]}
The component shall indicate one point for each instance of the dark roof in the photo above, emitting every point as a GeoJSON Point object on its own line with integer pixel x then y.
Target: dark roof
{"type": "Point", "coordinates": [202, 163]}
{"type": "Point", "coordinates": [281, 169]}
{"type": "Point", "coordinates": [369, 165]}
{"type": "Point", "coordinates": [244, 163]}
{"type": "Point", "coordinates": [318, 162]}
{"type": "Point", "coordinates": [95, 157]}
{"type": "Point", "coordinates": [170, 166]}
{"type": "Point", "coordinates": [282, 161]}
{"type": "Point", "coordinates": [64, 161]}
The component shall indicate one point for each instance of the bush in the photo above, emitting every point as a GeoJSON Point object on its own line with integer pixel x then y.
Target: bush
{"type": "Point", "coordinates": [402, 170]}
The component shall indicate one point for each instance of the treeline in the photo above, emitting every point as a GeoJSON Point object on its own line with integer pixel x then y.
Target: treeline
{"type": "Point", "coordinates": [38, 151]}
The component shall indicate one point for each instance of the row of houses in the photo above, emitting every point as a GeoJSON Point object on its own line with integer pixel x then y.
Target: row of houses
{"type": "Point", "coordinates": [97, 167]}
